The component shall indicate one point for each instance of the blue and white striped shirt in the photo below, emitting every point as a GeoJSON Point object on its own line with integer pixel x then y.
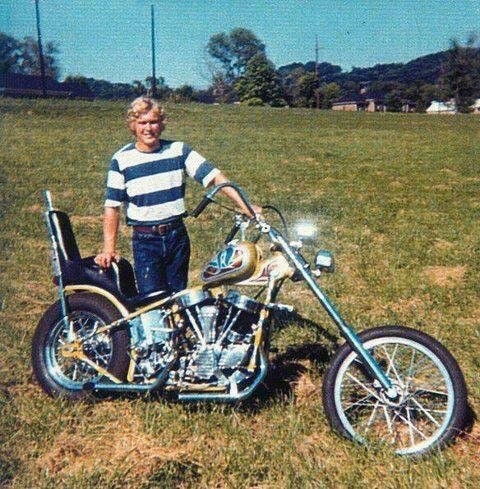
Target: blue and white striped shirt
{"type": "Point", "coordinates": [152, 185]}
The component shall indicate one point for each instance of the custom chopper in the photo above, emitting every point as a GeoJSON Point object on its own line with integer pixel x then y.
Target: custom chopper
{"type": "Point", "coordinates": [389, 384]}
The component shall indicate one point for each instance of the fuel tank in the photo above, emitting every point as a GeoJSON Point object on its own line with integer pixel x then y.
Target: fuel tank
{"type": "Point", "coordinates": [233, 263]}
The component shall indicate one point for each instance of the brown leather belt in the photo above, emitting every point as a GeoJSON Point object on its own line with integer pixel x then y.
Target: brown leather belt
{"type": "Point", "coordinates": [159, 228]}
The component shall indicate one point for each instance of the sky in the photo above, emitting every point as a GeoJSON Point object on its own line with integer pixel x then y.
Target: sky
{"type": "Point", "coordinates": [110, 40]}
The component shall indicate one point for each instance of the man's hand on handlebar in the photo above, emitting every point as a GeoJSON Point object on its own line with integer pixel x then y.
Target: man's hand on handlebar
{"type": "Point", "coordinates": [257, 209]}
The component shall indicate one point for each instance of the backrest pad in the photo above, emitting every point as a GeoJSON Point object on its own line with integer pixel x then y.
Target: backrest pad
{"type": "Point", "coordinates": [63, 233]}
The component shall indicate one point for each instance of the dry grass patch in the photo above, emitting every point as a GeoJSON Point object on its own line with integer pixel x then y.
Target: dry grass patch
{"type": "Point", "coordinates": [445, 276]}
{"type": "Point", "coordinates": [305, 390]}
{"type": "Point", "coordinates": [469, 450]}
{"type": "Point", "coordinates": [410, 305]}
{"type": "Point", "coordinates": [442, 244]}
{"type": "Point", "coordinates": [113, 445]}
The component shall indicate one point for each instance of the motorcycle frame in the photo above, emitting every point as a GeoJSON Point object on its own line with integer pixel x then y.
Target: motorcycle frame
{"type": "Point", "coordinates": [301, 265]}
{"type": "Point", "coordinates": [303, 268]}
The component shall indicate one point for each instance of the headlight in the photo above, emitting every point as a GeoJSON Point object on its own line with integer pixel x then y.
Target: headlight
{"type": "Point", "coordinates": [305, 230]}
{"type": "Point", "coordinates": [324, 261]}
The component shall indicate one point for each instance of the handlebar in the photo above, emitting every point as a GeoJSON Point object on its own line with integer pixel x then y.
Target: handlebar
{"type": "Point", "coordinates": [232, 233]}
{"type": "Point", "coordinates": [201, 206]}
{"type": "Point", "coordinates": [208, 198]}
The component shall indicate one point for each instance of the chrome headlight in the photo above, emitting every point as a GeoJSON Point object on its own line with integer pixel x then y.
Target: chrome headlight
{"type": "Point", "coordinates": [324, 261]}
{"type": "Point", "coordinates": [305, 231]}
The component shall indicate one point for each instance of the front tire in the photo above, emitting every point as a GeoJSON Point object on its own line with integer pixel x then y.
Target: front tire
{"type": "Point", "coordinates": [431, 408]}
{"type": "Point", "coordinates": [59, 373]}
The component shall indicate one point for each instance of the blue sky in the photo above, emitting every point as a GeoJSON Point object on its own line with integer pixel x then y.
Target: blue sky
{"type": "Point", "coordinates": [111, 39]}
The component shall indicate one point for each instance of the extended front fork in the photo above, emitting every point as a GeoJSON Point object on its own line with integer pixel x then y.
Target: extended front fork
{"type": "Point", "coordinates": [348, 333]}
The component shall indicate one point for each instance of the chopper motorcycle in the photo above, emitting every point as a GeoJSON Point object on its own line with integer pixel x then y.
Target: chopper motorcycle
{"type": "Point", "coordinates": [389, 384]}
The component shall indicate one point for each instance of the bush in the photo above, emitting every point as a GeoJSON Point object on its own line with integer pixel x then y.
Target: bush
{"type": "Point", "coordinates": [254, 101]}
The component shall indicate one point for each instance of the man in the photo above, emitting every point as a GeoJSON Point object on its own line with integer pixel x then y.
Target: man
{"type": "Point", "coordinates": [149, 177]}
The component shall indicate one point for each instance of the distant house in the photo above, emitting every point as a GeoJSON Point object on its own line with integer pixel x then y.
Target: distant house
{"type": "Point", "coordinates": [16, 85]}
{"type": "Point", "coordinates": [366, 102]}
{"type": "Point", "coordinates": [476, 107]}
{"type": "Point", "coordinates": [438, 107]}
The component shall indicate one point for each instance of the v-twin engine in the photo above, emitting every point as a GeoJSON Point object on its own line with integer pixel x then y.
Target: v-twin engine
{"type": "Point", "coordinates": [200, 339]}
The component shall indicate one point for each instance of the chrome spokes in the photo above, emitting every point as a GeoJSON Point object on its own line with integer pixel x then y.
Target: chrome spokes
{"type": "Point", "coordinates": [64, 353]}
{"type": "Point", "coordinates": [424, 403]}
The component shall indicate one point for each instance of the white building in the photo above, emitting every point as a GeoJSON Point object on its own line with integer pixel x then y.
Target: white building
{"type": "Point", "coordinates": [476, 106]}
{"type": "Point", "coordinates": [437, 107]}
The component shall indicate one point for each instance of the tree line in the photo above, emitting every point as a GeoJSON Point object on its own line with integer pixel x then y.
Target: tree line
{"type": "Point", "coordinates": [240, 71]}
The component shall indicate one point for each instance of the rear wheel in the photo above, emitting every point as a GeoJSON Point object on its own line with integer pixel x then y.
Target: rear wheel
{"type": "Point", "coordinates": [431, 406]}
{"type": "Point", "coordinates": [62, 364]}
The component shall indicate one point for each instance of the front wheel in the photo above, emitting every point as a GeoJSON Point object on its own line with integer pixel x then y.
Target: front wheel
{"type": "Point", "coordinates": [431, 406]}
{"type": "Point", "coordinates": [65, 358]}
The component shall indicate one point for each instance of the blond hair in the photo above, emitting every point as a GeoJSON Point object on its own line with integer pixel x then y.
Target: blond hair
{"type": "Point", "coordinates": [142, 105]}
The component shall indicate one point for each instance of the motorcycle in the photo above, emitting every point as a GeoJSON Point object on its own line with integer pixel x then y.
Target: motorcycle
{"type": "Point", "coordinates": [389, 384]}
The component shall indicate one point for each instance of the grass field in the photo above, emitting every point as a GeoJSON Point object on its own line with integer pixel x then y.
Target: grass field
{"type": "Point", "coordinates": [396, 198]}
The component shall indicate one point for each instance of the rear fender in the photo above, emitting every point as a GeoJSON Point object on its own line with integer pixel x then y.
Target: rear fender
{"type": "Point", "coordinates": [97, 290]}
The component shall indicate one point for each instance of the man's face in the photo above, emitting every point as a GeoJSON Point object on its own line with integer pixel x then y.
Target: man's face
{"type": "Point", "coordinates": [147, 129]}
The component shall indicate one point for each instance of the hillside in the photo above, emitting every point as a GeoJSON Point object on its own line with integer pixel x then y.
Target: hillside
{"type": "Point", "coordinates": [425, 69]}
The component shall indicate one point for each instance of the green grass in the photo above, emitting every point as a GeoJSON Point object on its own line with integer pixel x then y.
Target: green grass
{"type": "Point", "coordinates": [396, 199]}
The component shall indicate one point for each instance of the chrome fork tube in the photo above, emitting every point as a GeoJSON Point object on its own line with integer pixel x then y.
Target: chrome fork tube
{"type": "Point", "coordinates": [348, 333]}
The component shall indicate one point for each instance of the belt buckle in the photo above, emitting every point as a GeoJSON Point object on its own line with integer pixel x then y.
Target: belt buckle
{"type": "Point", "coordinates": [162, 228]}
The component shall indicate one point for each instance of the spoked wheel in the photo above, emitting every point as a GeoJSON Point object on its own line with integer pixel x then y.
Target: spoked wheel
{"type": "Point", "coordinates": [64, 358]}
{"type": "Point", "coordinates": [431, 406]}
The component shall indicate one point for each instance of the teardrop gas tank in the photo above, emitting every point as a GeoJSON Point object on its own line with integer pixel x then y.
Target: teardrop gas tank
{"type": "Point", "coordinates": [234, 263]}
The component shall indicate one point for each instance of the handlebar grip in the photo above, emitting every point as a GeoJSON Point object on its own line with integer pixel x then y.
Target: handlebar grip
{"type": "Point", "coordinates": [232, 233]}
{"type": "Point", "coordinates": [201, 206]}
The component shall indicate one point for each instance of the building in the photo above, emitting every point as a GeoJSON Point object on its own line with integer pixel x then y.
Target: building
{"type": "Point", "coordinates": [17, 85]}
{"type": "Point", "coordinates": [476, 107]}
{"type": "Point", "coordinates": [366, 102]}
{"type": "Point", "coordinates": [438, 107]}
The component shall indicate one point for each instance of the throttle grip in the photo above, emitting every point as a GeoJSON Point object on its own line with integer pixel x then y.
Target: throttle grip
{"type": "Point", "coordinates": [201, 206]}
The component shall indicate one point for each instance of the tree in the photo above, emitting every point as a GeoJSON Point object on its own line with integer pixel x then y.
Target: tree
{"type": "Point", "coordinates": [290, 81]}
{"type": "Point", "coordinates": [427, 93]}
{"type": "Point", "coordinates": [162, 89]}
{"type": "Point", "coordinates": [22, 56]}
{"type": "Point", "coordinates": [233, 51]}
{"type": "Point", "coordinates": [29, 58]}
{"type": "Point", "coordinates": [461, 77]}
{"type": "Point", "coordinates": [185, 93]}
{"type": "Point", "coordinates": [329, 92]}
{"type": "Point", "coordinates": [9, 52]}
{"type": "Point", "coordinates": [77, 79]}
{"type": "Point", "coordinates": [393, 101]}
{"type": "Point", "coordinates": [223, 92]}
{"type": "Point", "coordinates": [138, 87]}
{"type": "Point", "coordinates": [259, 82]}
{"type": "Point", "coordinates": [307, 85]}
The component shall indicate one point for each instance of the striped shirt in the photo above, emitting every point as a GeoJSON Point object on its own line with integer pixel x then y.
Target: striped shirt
{"type": "Point", "coordinates": [152, 185]}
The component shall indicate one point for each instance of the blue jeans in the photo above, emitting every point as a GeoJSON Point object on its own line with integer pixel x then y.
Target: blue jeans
{"type": "Point", "coordinates": [161, 261]}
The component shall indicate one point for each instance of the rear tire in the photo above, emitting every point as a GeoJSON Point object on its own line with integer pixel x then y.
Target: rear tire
{"type": "Point", "coordinates": [431, 408]}
{"type": "Point", "coordinates": [60, 374]}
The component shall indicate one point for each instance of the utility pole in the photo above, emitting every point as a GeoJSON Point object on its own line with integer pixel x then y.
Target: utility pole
{"type": "Point", "coordinates": [40, 51]}
{"type": "Point", "coordinates": [317, 75]}
{"type": "Point", "coordinates": [154, 76]}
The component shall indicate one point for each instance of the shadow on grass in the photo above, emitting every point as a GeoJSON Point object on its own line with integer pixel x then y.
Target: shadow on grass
{"type": "Point", "coordinates": [470, 420]}
{"type": "Point", "coordinates": [286, 368]}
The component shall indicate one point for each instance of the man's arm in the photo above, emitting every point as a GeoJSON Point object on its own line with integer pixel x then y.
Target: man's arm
{"type": "Point", "coordinates": [111, 219]}
{"type": "Point", "coordinates": [232, 194]}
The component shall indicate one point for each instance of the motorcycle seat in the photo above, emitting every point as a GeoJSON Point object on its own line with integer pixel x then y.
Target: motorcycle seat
{"type": "Point", "coordinates": [118, 279]}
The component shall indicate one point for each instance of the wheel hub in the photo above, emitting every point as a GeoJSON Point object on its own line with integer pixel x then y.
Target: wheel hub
{"type": "Point", "coordinates": [72, 350]}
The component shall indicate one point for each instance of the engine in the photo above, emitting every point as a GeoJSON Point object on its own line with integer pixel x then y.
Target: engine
{"type": "Point", "coordinates": [203, 340]}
